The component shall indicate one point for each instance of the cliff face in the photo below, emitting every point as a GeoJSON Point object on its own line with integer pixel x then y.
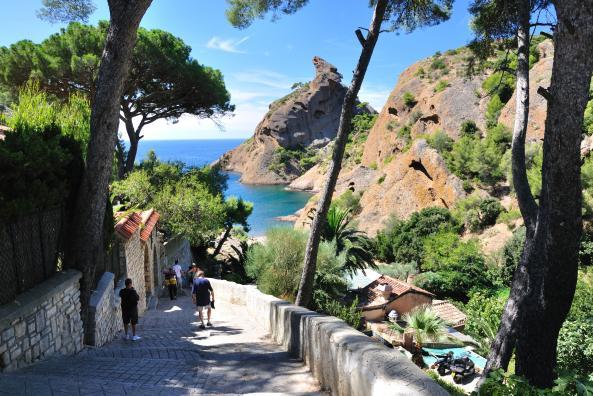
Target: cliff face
{"type": "Point", "coordinates": [306, 118]}
{"type": "Point", "coordinates": [403, 174]}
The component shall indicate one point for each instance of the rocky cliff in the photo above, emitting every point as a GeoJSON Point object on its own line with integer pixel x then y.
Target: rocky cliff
{"type": "Point", "coordinates": [292, 132]}
{"type": "Point", "coordinates": [403, 174]}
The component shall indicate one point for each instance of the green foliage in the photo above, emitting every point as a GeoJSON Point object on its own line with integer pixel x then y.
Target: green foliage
{"type": "Point", "coordinates": [399, 271]}
{"type": "Point", "coordinates": [348, 313]}
{"type": "Point", "coordinates": [409, 99]}
{"type": "Point", "coordinates": [420, 73]}
{"type": "Point", "coordinates": [452, 389]}
{"type": "Point", "coordinates": [361, 126]}
{"type": "Point", "coordinates": [511, 255]}
{"type": "Point", "coordinates": [381, 179]}
{"type": "Point", "coordinates": [356, 246]}
{"type": "Point", "coordinates": [348, 200]}
{"type": "Point", "coordinates": [500, 383]}
{"type": "Point", "coordinates": [480, 159]}
{"type": "Point", "coordinates": [477, 213]}
{"type": "Point", "coordinates": [440, 141]}
{"type": "Point", "coordinates": [66, 10]}
{"type": "Point", "coordinates": [453, 268]}
{"type": "Point", "coordinates": [483, 317]}
{"type": "Point", "coordinates": [286, 158]}
{"type": "Point", "coordinates": [469, 128]}
{"type": "Point", "coordinates": [405, 133]}
{"type": "Point", "coordinates": [441, 86]}
{"type": "Point", "coordinates": [402, 241]}
{"type": "Point", "coordinates": [427, 325]}
{"type": "Point", "coordinates": [41, 159]}
{"type": "Point", "coordinates": [586, 248]}
{"type": "Point", "coordinates": [500, 87]}
{"type": "Point", "coordinates": [415, 116]}
{"type": "Point", "coordinates": [277, 266]}
{"type": "Point", "coordinates": [575, 347]}
{"type": "Point", "coordinates": [438, 64]}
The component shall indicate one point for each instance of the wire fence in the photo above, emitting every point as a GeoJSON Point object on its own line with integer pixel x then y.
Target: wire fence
{"type": "Point", "coordinates": [29, 251]}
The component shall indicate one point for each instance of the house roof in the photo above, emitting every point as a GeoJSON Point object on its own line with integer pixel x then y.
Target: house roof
{"type": "Point", "coordinates": [449, 313]}
{"type": "Point", "coordinates": [371, 296]}
{"type": "Point", "coordinates": [361, 278]}
{"type": "Point", "coordinates": [127, 225]}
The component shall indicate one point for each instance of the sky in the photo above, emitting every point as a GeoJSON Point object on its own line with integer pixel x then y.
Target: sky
{"type": "Point", "coordinates": [261, 63]}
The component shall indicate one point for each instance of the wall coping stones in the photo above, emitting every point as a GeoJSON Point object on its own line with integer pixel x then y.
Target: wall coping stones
{"type": "Point", "coordinates": [29, 300]}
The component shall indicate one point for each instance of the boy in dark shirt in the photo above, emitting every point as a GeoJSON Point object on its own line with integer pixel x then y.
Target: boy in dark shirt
{"type": "Point", "coordinates": [201, 296]}
{"type": "Point", "coordinates": [129, 308]}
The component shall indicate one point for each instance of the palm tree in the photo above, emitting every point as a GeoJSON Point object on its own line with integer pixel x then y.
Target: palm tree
{"type": "Point", "coordinates": [354, 243]}
{"type": "Point", "coordinates": [427, 326]}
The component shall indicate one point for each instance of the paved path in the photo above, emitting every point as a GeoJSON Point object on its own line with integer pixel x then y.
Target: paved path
{"type": "Point", "coordinates": [174, 357]}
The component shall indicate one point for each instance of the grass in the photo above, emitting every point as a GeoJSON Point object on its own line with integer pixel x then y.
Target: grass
{"type": "Point", "coordinates": [441, 86]}
{"type": "Point", "coordinates": [453, 390]}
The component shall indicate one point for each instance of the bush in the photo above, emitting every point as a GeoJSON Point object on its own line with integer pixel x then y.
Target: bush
{"type": "Point", "coordinates": [438, 64]}
{"type": "Point", "coordinates": [478, 213]}
{"type": "Point", "coordinates": [399, 271]}
{"type": "Point", "coordinates": [420, 73]}
{"type": "Point", "coordinates": [483, 312]}
{"type": "Point", "coordinates": [349, 201]}
{"type": "Point", "coordinates": [415, 116]}
{"type": "Point", "coordinates": [277, 266]}
{"type": "Point", "coordinates": [452, 389]}
{"type": "Point", "coordinates": [348, 313]}
{"type": "Point", "coordinates": [409, 99]}
{"type": "Point", "coordinates": [441, 142]}
{"type": "Point", "coordinates": [575, 346]}
{"type": "Point", "coordinates": [441, 86]}
{"type": "Point", "coordinates": [500, 383]}
{"type": "Point", "coordinates": [511, 255]}
{"type": "Point", "coordinates": [469, 128]}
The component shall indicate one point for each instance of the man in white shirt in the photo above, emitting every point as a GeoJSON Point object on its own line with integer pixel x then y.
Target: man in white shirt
{"type": "Point", "coordinates": [177, 269]}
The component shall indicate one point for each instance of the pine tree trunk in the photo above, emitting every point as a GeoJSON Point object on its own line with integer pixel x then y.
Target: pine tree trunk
{"type": "Point", "coordinates": [227, 232]}
{"type": "Point", "coordinates": [308, 276]}
{"type": "Point", "coordinates": [85, 248]}
{"type": "Point", "coordinates": [553, 267]}
{"type": "Point", "coordinates": [504, 343]}
{"type": "Point", "coordinates": [134, 137]}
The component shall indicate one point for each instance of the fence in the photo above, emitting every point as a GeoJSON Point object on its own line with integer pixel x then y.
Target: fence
{"type": "Point", "coordinates": [29, 251]}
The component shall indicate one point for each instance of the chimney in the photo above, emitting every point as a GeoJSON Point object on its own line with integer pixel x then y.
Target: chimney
{"type": "Point", "coordinates": [385, 290]}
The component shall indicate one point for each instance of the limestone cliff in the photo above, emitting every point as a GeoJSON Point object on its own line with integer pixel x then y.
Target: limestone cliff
{"type": "Point", "coordinates": [301, 122]}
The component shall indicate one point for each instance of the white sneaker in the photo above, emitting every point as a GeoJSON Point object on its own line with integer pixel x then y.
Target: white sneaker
{"type": "Point", "coordinates": [136, 338]}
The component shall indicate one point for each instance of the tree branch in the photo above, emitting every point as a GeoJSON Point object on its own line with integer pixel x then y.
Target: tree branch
{"type": "Point", "coordinates": [360, 37]}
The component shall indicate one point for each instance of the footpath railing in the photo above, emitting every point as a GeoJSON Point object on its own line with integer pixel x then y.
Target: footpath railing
{"type": "Point", "coordinates": [29, 251]}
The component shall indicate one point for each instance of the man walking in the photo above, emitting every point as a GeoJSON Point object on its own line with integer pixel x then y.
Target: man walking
{"type": "Point", "coordinates": [177, 269]}
{"type": "Point", "coordinates": [201, 293]}
{"type": "Point", "coordinates": [129, 309]}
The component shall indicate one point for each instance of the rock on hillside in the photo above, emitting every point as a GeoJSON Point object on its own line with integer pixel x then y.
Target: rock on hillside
{"type": "Point", "coordinates": [308, 116]}
{"type": "Point", "coordinates": [539, 76]}
{"type": "Point", "coordinates": [433, 94]}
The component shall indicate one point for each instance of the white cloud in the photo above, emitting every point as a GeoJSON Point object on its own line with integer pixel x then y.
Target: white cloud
{"type": "Point", "coordinates": [226, 45]}
{"type": "Point", "coordinates": [268, 78]}
{"type": "Point", "coordinates": [375, 95]}
{"type": "Point", "coordinates": [241, 125]}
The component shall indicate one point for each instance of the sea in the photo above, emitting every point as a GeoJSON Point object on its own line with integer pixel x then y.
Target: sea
{"type": "Point", "coordinates": [269, 202]}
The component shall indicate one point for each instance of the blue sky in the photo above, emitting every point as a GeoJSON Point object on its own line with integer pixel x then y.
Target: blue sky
{"type": "Point", "coordinates": [260, 63]}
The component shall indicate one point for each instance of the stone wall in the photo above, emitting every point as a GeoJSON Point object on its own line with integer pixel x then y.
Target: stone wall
{"type": "Point", "coordinates": [104, 312]}
{"type": "Point", "coordinates": [134, 264]}
{"type": "Point", "coordinates": [344, 361]}
{"type": "Point", "coordinates": [42, 322]}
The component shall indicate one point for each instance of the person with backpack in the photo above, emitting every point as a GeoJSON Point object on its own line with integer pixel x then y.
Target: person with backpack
{"type": "Point", "coordinates": [171, 282]}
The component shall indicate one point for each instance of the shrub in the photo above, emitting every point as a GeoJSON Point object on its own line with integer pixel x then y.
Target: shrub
{"type": "Point", "coordinates": [440, 141]}
{"type": "Point", "coordinates": [500, 383]}
{"type": "Point", "coordinates": [381, 179]}
{"type": "Point", "coordinates": [420, 73]}
{"type": "Point", "coordinates": [348, 313]}
{"type": "Point", "coordinates": [441, 86]}
{"type": "Point", "coordinates": [452, 389]}
{"type": "Point", "coordinates": [405, 133]}
{"type": "Point", "coordinates": [483, 312]}
{"type": "Point", "coordinates": [438, 64]}
{"type": "Point", "coordinates": [509, 217]}
{"type": "Point", "coordinates": [415, 116]}
{"type": "Point", "coordinates": [349, 200]}
{"type": "Point", "coordinates": [478, 213]}
{"type": "Point", "coordinates": [575, 346]}
{"type": "Point", "coordinates": [399, 271]}
{"type": "Point", "coordinates": [469, 128]}
{"type": "Point", "coordinates": [409, 99]}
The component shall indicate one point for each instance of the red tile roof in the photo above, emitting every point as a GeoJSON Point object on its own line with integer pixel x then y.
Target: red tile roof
{"type": "Point", "coordinates": [149, 219]}
{"type": "Point", "coordinates": [127, 225]}
{"type": "Point", "coordinates": [449, 313]}
{"type": "Point", "coordinates": [370, 296]}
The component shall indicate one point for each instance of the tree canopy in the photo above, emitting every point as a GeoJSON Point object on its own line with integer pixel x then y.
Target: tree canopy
{"type": "Point", "coordinates": [165, 82]}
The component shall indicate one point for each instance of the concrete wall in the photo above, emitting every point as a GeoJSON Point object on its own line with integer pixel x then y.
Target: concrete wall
{"type": "Point", "coordinates": [104, 312]}
{"type": "Point", "coordinates": [41, 322]}
{"type": "Point", "coordinates": [345, 361]}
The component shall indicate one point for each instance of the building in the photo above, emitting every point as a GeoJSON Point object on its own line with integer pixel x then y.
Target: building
{"type": "Point", "coordinates": [140, 251]}
{"type": "Point", "coordinates": [385, 294]}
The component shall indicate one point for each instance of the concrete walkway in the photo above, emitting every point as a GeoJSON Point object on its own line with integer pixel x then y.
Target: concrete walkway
{"type": "Point", "coordinates": [174, 357]}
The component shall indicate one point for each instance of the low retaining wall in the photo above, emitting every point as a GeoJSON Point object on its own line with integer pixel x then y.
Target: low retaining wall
{"type": "Point", "coordinates": [41, 322]}
{"type": "Point", "coordinates": [344, 361]}
{"type": "Point", "coordinates": [104, 312]}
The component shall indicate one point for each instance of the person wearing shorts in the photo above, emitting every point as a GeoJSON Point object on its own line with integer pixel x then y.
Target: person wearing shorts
{"type": "Point", "coordinates": [202, 295]}
{"type": "Point", "coordinates": [129, 309]}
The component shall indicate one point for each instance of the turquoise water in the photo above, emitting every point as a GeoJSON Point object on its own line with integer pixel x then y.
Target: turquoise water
{"type": "Point", "coordinates": [269, 202]}
{"type": "Point", "coordinates": [478, 360]}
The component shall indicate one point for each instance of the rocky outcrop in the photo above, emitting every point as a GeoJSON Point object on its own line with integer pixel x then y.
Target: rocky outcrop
{"type": "Point", "coordinates": [539, 76]}
{"type": "Point", "coordinates": [433, 94]}
{"type": "Point", "coordinates": [309, 116]}
{"type": "Point", "coordinates": [411, 182]}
